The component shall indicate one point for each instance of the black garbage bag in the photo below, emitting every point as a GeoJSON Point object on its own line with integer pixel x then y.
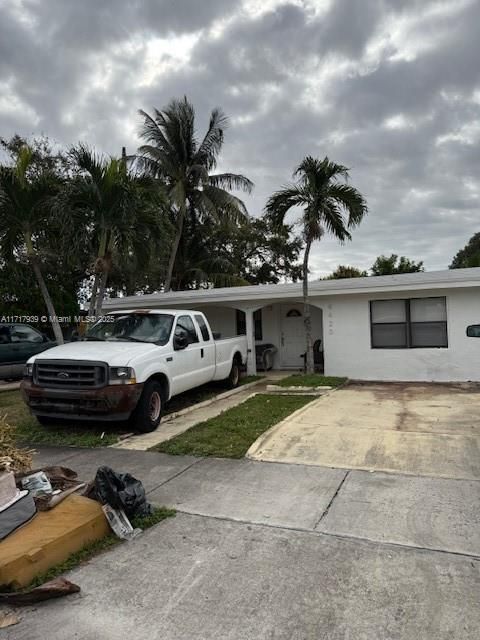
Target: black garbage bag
{"type": "Point", "coordinates": [121, 491]}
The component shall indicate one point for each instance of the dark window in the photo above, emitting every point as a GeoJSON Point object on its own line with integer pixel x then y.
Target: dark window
{"type": "Point", "coordinates": [203, 328]}
{"type": "Point", "coordinates": [473, 331]}
{"type": "Point", "coordinates": [408, 324]}
{"type": "Point", "coordinates": [294, 313]}
{"type": "Point", "coordinates": [257, 321]}
{"type": "Point", "coordinates": [185, 326]}
{"type": "Point", "coordinates": [22, 333]}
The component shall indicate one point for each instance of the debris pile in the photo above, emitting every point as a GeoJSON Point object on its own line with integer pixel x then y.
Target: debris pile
{"type": "Point", "coordinates": [28, 497]}
{"type": "Point", "coordinates": [19, 459]}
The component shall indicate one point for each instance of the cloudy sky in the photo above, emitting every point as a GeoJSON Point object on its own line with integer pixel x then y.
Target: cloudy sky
{"type": "Point", "coordinates": [390, 88]}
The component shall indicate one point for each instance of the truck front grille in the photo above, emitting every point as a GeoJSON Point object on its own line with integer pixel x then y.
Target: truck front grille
{"type": "Point", "coordinates": [70, 374]}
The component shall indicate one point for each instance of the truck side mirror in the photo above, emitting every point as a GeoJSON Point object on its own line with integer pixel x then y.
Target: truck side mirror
{"type": "Point", "coordinates": [180, 342]}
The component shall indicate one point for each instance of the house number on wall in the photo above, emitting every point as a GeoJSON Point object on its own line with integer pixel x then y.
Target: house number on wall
{"type": "Point", "coordinates": [330, 319]}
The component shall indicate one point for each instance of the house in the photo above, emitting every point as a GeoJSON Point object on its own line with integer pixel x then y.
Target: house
{"type": "Point", "coordinates": [401, 327]}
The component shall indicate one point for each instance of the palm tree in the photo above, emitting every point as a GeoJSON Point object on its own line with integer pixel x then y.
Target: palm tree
{"type": "Point", "coordinates": [118, 209]}
{"type": "Point", "coordinates": [25, 196]}
{"type": "Point", "coordinates": [173, 154]}
{"type": "Point", "coordinates": [329, 206]}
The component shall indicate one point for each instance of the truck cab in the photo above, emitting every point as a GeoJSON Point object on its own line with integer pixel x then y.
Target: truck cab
{"type": "Point", "coordinates": [128, 366]}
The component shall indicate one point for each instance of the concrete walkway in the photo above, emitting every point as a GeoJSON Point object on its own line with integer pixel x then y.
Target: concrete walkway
{"type": "Point", "coordinates": [268, 550]}
{"type": "Point", "coordinates": [430, 430]}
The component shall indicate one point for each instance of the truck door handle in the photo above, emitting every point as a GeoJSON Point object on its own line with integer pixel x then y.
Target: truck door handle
{"type": "Point", "coordinates": [201, 353]}
{"type": "Point", "coordinates": [169, 359]}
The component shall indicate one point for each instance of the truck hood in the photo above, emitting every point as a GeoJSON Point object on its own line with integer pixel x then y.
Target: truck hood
{"type": "Point", "coordinates": [115, 354]}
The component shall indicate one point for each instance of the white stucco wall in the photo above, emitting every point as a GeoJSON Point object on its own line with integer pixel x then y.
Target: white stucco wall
{"type": "Point", "coordinates": [348, 349]}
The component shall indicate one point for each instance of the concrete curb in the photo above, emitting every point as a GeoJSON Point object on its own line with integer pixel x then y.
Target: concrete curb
{"type": "Point", "coordinates": [295, 390]}
{"type": "Point", "coordinates": [9, 386]}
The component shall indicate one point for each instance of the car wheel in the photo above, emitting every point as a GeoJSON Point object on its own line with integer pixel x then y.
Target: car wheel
{"type": "Point", "coordinates": [148, 413]}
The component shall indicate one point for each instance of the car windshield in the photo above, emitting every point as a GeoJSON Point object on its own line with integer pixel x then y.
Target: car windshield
{"type": "Point", "coordinates": [133, 327]}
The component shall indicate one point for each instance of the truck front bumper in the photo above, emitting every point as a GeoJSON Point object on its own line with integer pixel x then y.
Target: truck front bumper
{"type": "Point", "coordinates": [114, 402]}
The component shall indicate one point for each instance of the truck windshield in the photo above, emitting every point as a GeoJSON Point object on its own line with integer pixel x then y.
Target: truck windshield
{"type": "Point", "coordinates": [134, 327]}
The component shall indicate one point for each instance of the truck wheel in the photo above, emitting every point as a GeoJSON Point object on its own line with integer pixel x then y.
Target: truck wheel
{"type": "Point", "coordinates": [234, 377]}
{"type": "Point", "coordinates": [148, 412]}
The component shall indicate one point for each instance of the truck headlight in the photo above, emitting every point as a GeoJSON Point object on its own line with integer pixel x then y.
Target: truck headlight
{"type": "Point", "coordinates": [28, 371]}
{"type": "Point", "coordinates": [121, 375]}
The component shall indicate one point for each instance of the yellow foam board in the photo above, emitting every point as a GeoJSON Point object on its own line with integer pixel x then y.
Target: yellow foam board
{"type": "Point", "coordinates": [49, 539]}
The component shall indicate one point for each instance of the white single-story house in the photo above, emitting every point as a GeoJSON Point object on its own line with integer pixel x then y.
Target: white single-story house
{"type": "Point", "coordinates": [402, 327]}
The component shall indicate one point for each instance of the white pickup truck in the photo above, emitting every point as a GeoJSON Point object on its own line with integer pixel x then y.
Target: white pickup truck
{"type": "Point", "coordinates": [128, 366]}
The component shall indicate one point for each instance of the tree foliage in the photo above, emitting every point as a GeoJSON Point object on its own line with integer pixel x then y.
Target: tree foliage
{"type": "Point", "coordinates": [391, 265]}
{"type": "Point", "coordinates": [345, 271]}
{"type": "Point", "coordinates": [469, 256]}
{"type": "Point", "coordinates": [173, 154]}
{"type": "Point", "coordinates": [329, 205]}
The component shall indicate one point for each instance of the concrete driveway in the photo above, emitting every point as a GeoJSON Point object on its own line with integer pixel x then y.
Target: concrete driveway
{"type": "Point", "coordinates": [418, 429]}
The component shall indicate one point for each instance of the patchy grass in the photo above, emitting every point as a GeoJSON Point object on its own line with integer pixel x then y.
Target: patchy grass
{"type": "Point", "coordinates": [98, 546]}
{"type": "Point", "coordinates": [230, 434]}
{"type": "Point", "coordinates": [248, 379]}
{"type": "Point", "coordinates": [29, 432]}
{"type": "Point", "coordinates": [312, 380]}
{"type": "Point", "coordinates": [81, 434]}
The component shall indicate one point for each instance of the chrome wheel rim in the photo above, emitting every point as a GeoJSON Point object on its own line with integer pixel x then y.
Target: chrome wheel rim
{"type": "Point", "coordinates": [155, 406]}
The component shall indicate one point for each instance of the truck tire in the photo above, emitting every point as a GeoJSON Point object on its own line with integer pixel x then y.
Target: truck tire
{"type": "Point", "coordinates": [148, 412]}
{"type": "Point", "coordinates": [233, 379]}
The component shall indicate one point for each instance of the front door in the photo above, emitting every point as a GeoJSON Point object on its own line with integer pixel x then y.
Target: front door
{"type": "Point", "coordinates": [293, 336]}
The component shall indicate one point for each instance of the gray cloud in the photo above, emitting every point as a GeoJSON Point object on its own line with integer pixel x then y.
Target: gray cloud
{"type": "Point", "coordinates": [391, 91]}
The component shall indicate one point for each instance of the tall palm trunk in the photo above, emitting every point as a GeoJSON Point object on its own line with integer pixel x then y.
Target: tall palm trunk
{"type": "Point", "coordinates": [106, 266]}
{"type": "Point", "coordinates": [93, 299]}
{"type": "Point", "coordinates": [309, 363]}
{"type": "Point", "coordinates": [174, 249]}
{"type": "Point", "coordinates": [33, 258]}
{"type": "Point", "coordinates": [92, 307]}
{"type": "Point", "coordinates": [101, 293]}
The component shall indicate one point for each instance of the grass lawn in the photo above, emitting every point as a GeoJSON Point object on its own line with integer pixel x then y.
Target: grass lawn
{"type": "Point", "coordinates": [29, 431]}
{"type": "Point", "coordinates": [98, 546]}
{"type": "Point", "coordinates": [230, 434]}
{"type": "Point", "coordinates": [312, 380]}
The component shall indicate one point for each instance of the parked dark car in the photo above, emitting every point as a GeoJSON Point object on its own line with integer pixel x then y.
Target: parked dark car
{"type": "Point", "coordinates": [17, 343]}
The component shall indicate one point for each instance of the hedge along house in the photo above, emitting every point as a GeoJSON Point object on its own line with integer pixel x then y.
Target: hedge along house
{"type": "Point", "coordinates": [404, 327]}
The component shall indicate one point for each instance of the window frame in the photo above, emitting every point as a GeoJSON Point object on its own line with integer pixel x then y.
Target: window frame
{"type": "Point", "coordinates": [408, 323]}
{"type": "Point", "coordinates": [241, 324]}
{"type": "Point", "coordinates": [25, 328]}
{"type": "Point", "coordinates": [202, 324]}
{"type": "Point", "coordinates": [190, 341]}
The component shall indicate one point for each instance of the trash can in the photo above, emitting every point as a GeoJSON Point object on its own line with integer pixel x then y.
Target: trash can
{"type": "Point", "coordinates": [264, 354]}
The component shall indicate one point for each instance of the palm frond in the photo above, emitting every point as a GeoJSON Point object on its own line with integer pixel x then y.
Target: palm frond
{"type": "Point", "coordinates": [88, 161]}
{"type": "Point", "coordinates": [212, 142]}
{"type": "Point", "coordinates": [280, 203]}
{"type": "Point", "coordinates": [231, 181]}
{"type": "Point", "coordinates": [227, 206]}
{"type": "Point", "coordinates": [352, 202]}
